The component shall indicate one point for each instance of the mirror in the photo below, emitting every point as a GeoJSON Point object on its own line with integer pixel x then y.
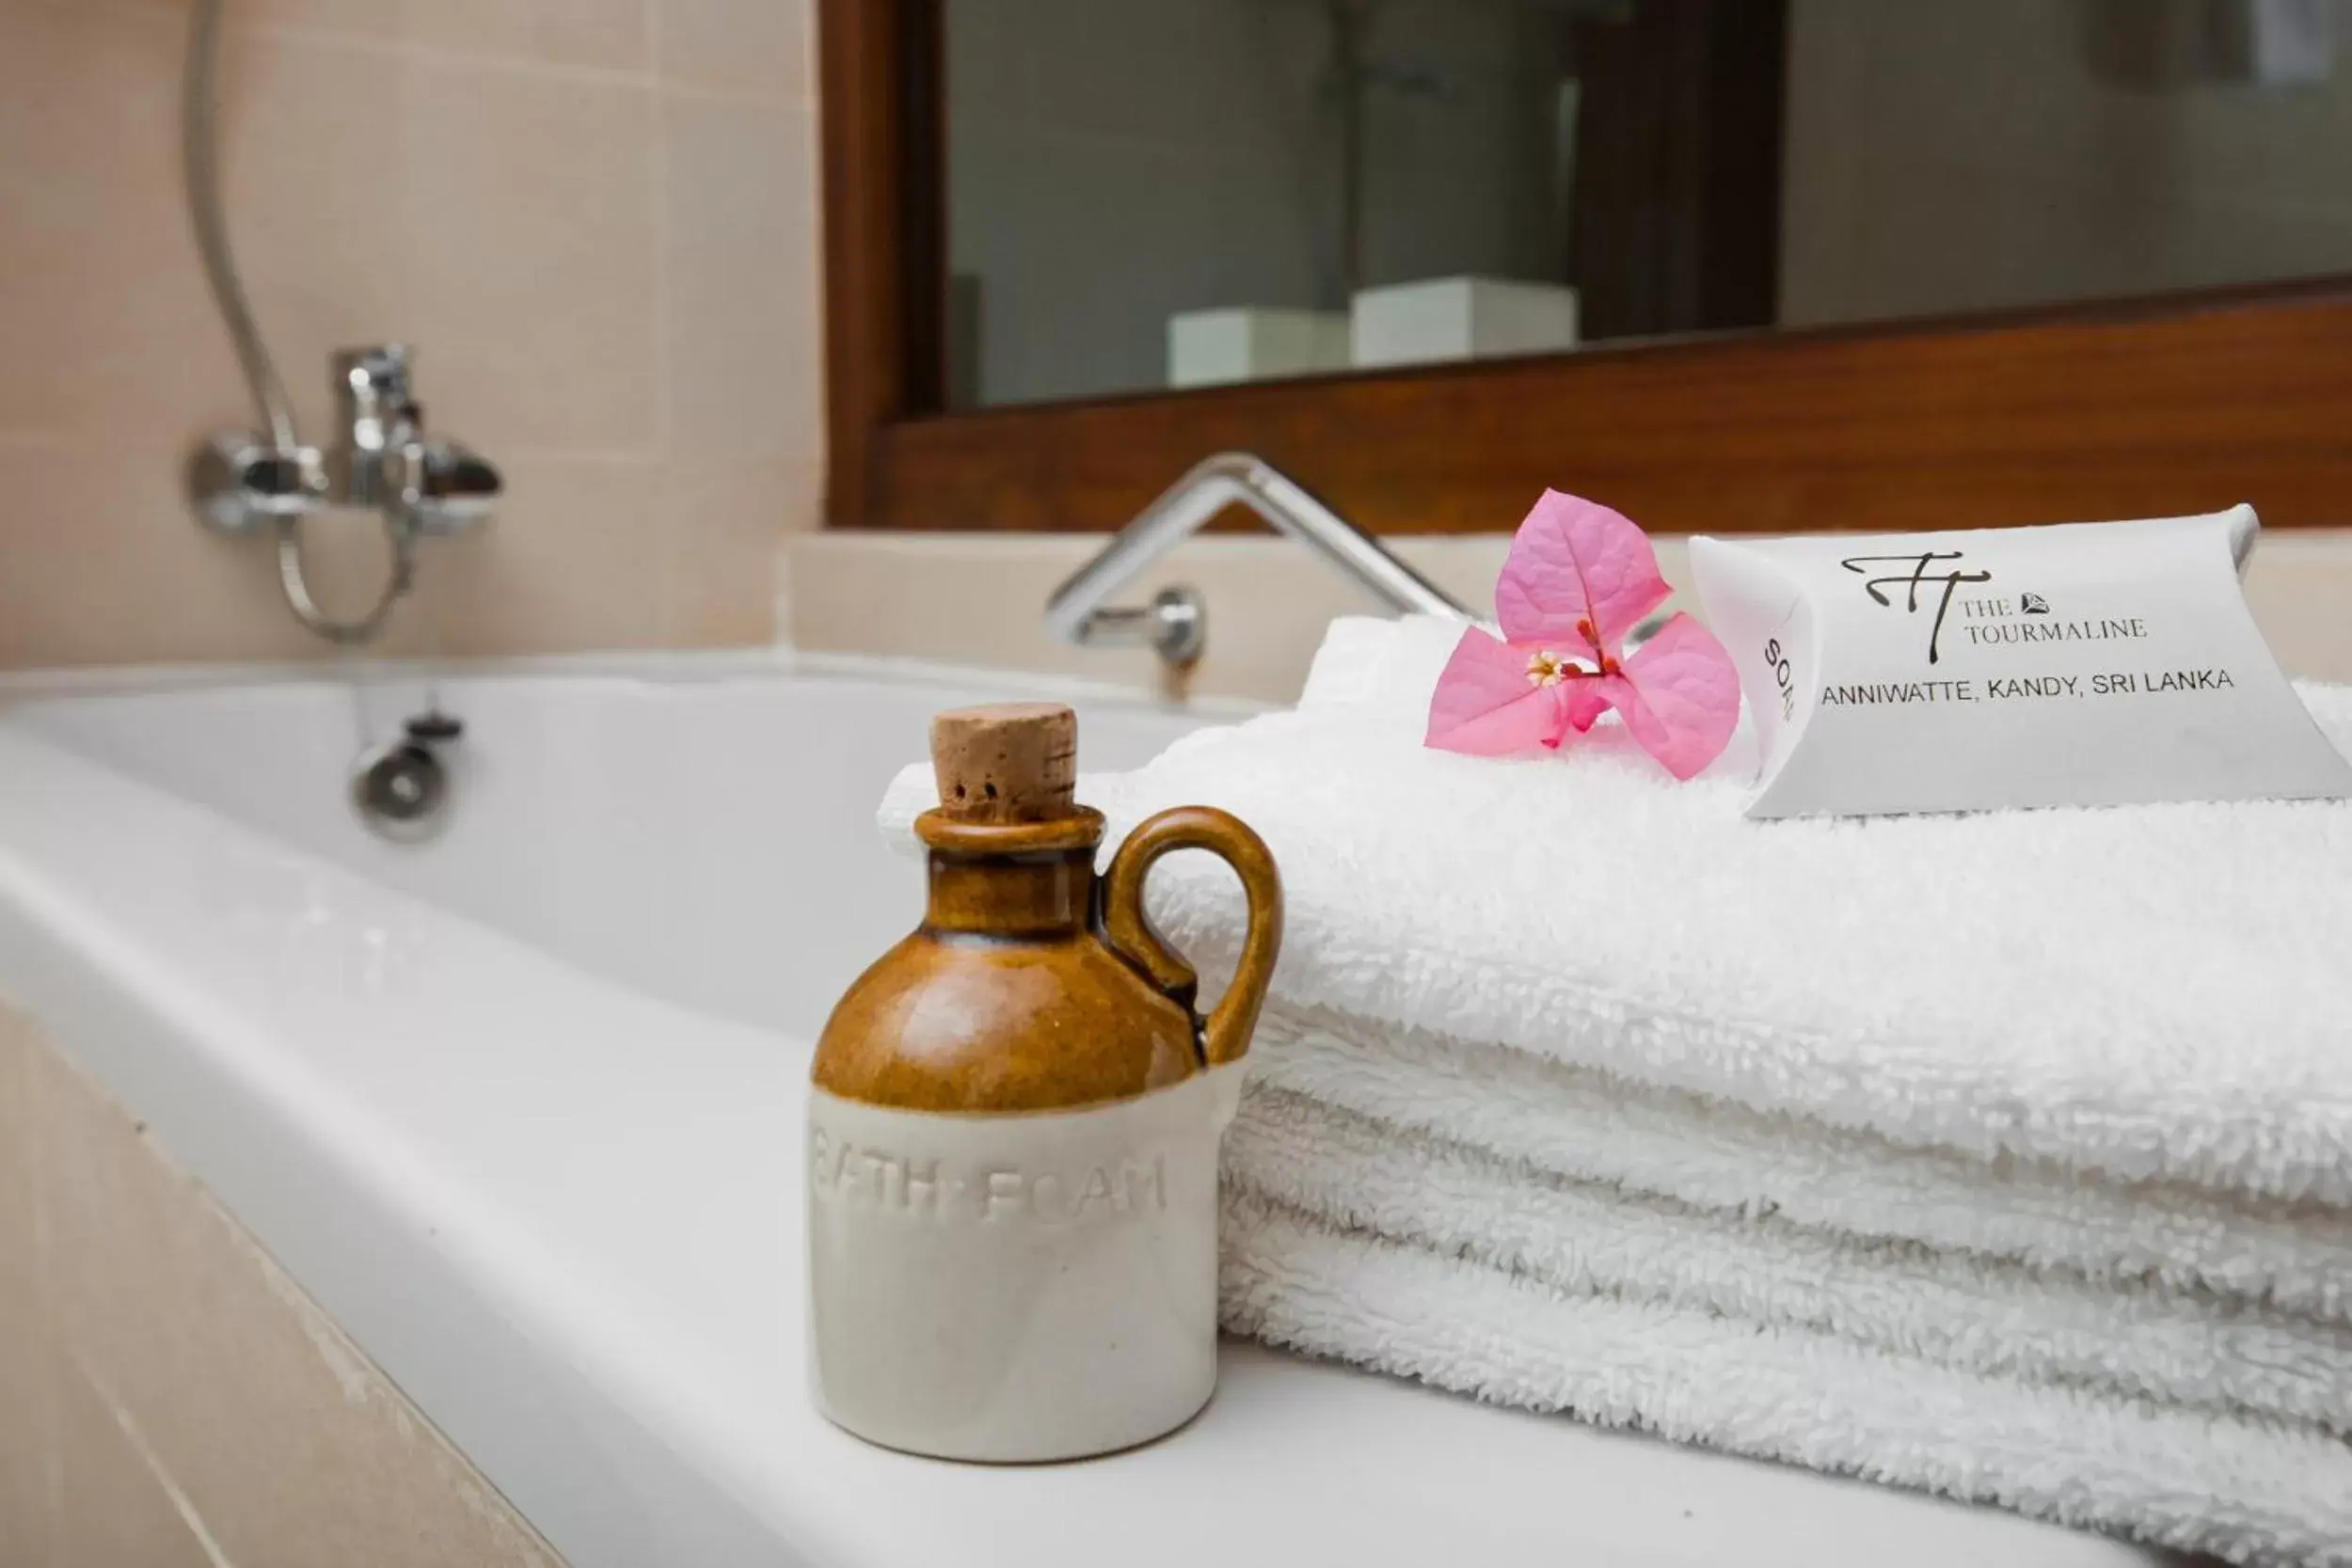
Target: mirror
{"type": "Point", "coordinates": [1147, 193]}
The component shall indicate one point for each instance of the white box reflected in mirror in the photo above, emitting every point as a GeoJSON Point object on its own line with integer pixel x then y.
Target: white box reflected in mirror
{"type": "Point", "coordinates": [1460, 318]}
{"type": "Point", "coordinates": [1214, 348]}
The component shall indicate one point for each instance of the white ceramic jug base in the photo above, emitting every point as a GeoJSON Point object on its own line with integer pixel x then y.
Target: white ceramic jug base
{"type": "Point", "coordinates": [1016, 1288]}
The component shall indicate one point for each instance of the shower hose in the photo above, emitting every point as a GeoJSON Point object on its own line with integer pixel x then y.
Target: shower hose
{"type": "Point", "coordinates": [201, 151]}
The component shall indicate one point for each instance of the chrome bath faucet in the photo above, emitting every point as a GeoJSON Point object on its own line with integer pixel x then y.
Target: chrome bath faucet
{"type": "Point", "coordinates": [1175, 623]}
{"type": "Point", "coordinates": [243, 483]}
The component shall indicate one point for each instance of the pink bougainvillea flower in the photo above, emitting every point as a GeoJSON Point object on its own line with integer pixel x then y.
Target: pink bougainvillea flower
{"type": "Point", "coordinates": [1578, 578]}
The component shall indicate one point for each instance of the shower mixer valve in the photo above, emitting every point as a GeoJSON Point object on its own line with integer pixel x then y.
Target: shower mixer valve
{"type": "Point", "coordinates": [382, 461]}
{"type": "Point", "coordinates": [243, 483]}
{"type": "Point", "coordinates": [385, 461]}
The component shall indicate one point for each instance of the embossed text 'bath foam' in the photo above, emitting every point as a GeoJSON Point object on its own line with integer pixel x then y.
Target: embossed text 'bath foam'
{"type": "Point", "coordinates": [2083, 664]}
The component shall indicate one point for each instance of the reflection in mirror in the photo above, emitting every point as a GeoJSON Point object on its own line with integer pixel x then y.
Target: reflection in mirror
{"type": "Point", "coordinates": [1145, 193]}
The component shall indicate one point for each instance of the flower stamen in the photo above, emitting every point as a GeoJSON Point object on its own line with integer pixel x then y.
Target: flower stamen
{"type": "Point", "coordinates": [1545, 668]}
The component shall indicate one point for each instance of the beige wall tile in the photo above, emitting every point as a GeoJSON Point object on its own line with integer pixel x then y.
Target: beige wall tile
{"type": "Point", "coordinates": [112, 1509]}
{"type": "Point", "coordinates": [311, 191]}
{"type": "Point", "coordinates": [377, 21]}
{"type": "Point", "coordinates": [106, 564]}
{"type": "Point", "coordinates": [725, 521]}
{"type": "Point", "coordinates": [100, 563]}
{"type": "Point", "coordinates": [26, 1425]}
{"type": "Point", "coordinates": [28, 1447]}
{"type": "Point", "coordinates": [604, 34]}
{"type": "Point", "coordinates": [740, 286]}
{"type": "Point", "coordinates": [979, 598]}
{"type": "Point", "coordinates": [481, 179]}
{"type": "Point", "coordinates": [527, 225]}
{"type": "Point", "coordinates": [762, 46]}
{"type": "Point", "coordinates": [575, 559]}
{"type": "Point", "coordinates": [104, 325]}
{"type": "Point", "coordinates": [283, 1439]}
{"type": "Point", "coordinates": [18, 1270]}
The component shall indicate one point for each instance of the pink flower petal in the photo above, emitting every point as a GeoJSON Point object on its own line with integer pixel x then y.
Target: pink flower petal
{"type": "Point", "coordinates": [1587, 701]}
{"type": "Point", "coordinates": [1680, 696]}
{"type": "Point", "coordinates": [1484, 704]}
{"type": "Point", "coordinates": [1573, 560]}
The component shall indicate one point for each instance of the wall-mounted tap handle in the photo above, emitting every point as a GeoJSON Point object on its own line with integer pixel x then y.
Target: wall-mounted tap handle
{"type": "Point", "coordinates": [455, 487]}
{"type": "Point", "coordinates": [372, 395]}
{"type": "Point", "coordinates": [378, 369]}
{"type": "Point", "coordinates": [239, 483]}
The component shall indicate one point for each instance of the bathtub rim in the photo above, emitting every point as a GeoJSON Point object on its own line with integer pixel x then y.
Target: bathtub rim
{"type": "Point", "coordinates": [652, 667]}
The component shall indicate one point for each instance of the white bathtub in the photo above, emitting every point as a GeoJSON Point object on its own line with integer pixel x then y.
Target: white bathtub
{"type": "Point", "coordinates": [704, 840]}
{"type": "Point", "coordinates": [520, 1107]}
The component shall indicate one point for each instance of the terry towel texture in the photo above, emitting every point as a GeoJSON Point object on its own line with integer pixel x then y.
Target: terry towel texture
{"type": "Point", "coordinates": [1955, 1307]}
{"type": "Point", "coordinates": [2038, 1118]}
{"type": "Point", "coordinates": [2250, 1492]}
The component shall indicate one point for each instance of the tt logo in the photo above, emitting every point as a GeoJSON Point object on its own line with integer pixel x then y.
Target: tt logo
{"type": "Point", "coordinates": [1915, 576]}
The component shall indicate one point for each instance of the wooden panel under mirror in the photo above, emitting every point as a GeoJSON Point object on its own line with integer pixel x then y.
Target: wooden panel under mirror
{"type": "Point", "coordinates": [1725, 263]}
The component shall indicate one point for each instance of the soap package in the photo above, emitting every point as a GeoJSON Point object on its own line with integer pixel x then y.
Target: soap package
{"type": "Point", "coordinates": [2077, 664]}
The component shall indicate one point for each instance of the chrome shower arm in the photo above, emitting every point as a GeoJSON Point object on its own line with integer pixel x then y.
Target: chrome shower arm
{"type": "Point", "coordinates": [1174, 621]}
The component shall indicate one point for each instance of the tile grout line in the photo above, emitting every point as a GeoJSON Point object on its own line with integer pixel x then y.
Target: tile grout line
{"type": "Point", "coordinates": [89, 442]}
{"type": "Point", "coordinates": [646, 77]}
{"type": "Point", "coordinates": [806, 99]}
{"type": "Point", "coordinates": [441, 55]}
{"type": "Point", "coordinates": [329, 37]}
{"type": "Point", "coordinates": [783, 586]}
{"type": "Point", "coordinates": [661, 238]}
{"type": "Point", "coordinates": [153, 1464]}
{"type": "Point", "coordinates": [45, 1311]}
{"type": "Point", "coordinates": [667, 587]}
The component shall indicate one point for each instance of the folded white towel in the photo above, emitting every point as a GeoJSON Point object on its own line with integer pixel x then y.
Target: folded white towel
{"type": "Point", "coordinates": [1589, 1125]}
{"type": "Point", "coordinates": [1951, 1309]}
{"type": "Point", "coordinates": [2250, 1490]}
{"type": "Point", "coordinates": [1946, 1151]}
{"type": "Point", "coordinates": [2148, 993]}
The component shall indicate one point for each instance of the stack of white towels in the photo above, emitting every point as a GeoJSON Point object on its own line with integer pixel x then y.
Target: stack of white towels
{"type": "Point", "coordinates": [2006, 1156]}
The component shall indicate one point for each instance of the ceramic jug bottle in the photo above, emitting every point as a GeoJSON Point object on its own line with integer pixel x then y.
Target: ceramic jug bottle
{"type": "Point", "coordinates": [1013, 1126]}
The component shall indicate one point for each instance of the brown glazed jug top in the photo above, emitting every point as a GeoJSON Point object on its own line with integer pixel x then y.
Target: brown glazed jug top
{"type": "Point", "coordinates": [1027, 988]}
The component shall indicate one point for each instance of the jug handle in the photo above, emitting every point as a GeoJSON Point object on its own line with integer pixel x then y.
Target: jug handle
{"type": "Point", "coordinates": [1129, 934]}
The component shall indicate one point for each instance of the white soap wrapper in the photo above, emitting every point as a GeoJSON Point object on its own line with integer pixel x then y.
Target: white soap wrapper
{"type": "Point", "coordinates": [2084, 664]}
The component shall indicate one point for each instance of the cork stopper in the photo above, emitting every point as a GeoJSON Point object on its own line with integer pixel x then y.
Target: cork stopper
{"type": "Point", "coordinates": [1008, 762]}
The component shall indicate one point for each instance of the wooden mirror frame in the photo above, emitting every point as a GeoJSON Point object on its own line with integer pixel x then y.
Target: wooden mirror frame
{"type": "Point", "coordinates": [2142, 408]}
